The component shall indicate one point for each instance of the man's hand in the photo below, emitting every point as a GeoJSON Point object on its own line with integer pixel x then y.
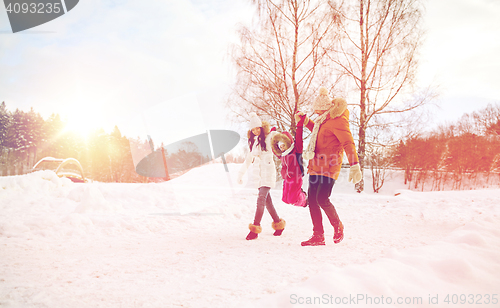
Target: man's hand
{"type": "Point", "coordinates": [355, 174]}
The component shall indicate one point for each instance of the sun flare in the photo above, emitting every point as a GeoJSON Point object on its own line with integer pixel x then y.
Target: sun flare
{"type": "Point", "coordinates": [83, 121]}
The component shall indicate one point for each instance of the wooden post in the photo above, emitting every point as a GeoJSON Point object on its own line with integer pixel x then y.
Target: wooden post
{"type": "Point", "coordinates": [167, 176]}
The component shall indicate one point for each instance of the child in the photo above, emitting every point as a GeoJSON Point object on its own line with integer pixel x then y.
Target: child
{"type": "Point", "coordinates": [292, 169]}
{"type": "Point", "coordinates": [264, 170]}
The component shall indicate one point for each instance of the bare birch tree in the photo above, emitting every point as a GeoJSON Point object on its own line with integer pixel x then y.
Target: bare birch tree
{"type": "Point", "coordinates": [281, 61]}
{"type": "Point", "coordinates": [378, 54]}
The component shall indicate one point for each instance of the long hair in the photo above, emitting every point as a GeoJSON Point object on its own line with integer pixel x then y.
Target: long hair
{"type": "Point", "coordinates": [261, 140]}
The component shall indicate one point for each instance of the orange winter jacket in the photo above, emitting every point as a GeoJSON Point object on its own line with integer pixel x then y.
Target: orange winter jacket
{"type": "Point", "coordinates": [334, 137]}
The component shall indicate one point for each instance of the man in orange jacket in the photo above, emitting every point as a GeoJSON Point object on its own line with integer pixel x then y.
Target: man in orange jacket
{"type": "Point", "coordinates": [330, 137]}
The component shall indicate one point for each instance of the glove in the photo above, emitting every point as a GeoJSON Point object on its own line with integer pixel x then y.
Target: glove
{"type": "Point", "coordinates": [301, 121]}
{"type": "Point", "coordinates": [300, 116]}
{"type": "Point", "coordinates": [355, 174]}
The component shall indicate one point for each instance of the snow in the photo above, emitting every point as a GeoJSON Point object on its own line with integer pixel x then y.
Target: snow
{"type": "Point", "coordinates": [182, 244]}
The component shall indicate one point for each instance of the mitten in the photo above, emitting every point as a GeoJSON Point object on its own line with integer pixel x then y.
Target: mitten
{"type": "Point", "coordinates": [300, 116]}
{"type": "Point", "coordinates": [301, 121]}
{"type": "Point", "coordinates": [355, 174]}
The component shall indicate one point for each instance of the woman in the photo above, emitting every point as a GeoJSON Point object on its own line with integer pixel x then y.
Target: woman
{"type": "Point", "coordinates": [264, 170]}
{"type": "Point", "coordinates": [330, 137]}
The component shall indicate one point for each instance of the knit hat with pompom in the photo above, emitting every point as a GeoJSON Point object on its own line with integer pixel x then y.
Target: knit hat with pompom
{"type": "Point", "coordinates": [255, 121]}
{"type": "Point", "coordinates": [323, 101]}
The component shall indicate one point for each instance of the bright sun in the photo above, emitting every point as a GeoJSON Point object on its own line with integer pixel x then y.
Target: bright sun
{"type": "Point", "coordinates": [78, 127]}
{"type": "Point", "coordinates": [83, 121]}
{"type": "Point", "coordinates": [86, 111]}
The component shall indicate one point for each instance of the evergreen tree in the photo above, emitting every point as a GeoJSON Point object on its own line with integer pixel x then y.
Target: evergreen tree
{"type": "Point", "coordinates": [4, 124]}
{"type": "Point", "coordinates": [122, 167]}
{"type": "Point", "coordinates": [99, 149]}
{"type": "Point", "coordinates": [54, 144]}
{"type": "Point", "coordinates": [35, 135]}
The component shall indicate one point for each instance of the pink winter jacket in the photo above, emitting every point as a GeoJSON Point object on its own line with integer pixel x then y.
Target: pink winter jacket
{"type": "Point", "coordinates": [292, 169]}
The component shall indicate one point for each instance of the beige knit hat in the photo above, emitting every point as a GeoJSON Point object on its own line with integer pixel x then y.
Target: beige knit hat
{"type": "Point", "coordinates": [322, 101]}
{"type": "Point", "coordinates": [255, 121]}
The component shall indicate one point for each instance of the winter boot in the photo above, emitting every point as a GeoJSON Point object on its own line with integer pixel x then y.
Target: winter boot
{"type": "Point", "coordinates": [339, 233]}
{"type": "Point", "coordinates": [315, 240]}
{"type": "Point", "coordinates": [278, 227]}
{"type": "Point", "coordinates": [254, 231]}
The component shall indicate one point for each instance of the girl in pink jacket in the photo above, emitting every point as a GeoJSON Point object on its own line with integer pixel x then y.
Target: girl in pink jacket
{"type": "Point", "coordinates": [292, 169]}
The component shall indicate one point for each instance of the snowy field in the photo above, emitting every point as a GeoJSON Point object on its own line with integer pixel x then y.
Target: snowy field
{"type": "Point", "coordinates": [182, 244]}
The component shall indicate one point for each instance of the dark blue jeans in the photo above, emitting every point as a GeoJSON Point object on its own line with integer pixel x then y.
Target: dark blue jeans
{"type": "Point", "coordinates": [320, 189]}
{"type": "Point", "coordinates": [264, 201]}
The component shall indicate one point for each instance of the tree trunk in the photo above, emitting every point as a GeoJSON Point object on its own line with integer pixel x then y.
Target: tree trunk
{"type": "Point", "coordinates": [294, 70]}
{"type": "Point", "coordinates": [362, 102]}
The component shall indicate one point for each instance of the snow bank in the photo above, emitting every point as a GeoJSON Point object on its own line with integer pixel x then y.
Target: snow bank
{"type": "Point", "coordinates": [90, 199]}
{"type": "Point", "coordinates": [40, 182]}
{"type": "Point", "coordinates": [182, 243]}
{"type": "Point", "coordinates": [460, 269]}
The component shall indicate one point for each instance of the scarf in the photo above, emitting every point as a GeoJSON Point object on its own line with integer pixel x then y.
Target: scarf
{"type": "Point", "coordinates": [338, 108]}
{"type": "Point", "coordinates": [309, 152]}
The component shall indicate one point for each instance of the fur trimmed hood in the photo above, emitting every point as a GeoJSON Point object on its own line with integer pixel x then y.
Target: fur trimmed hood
{"type": "Point", "coordinates": [336, 121]}
{"type": "Point", "coordinates": [285, 137]}
{"type": "Point", "coordinates": [338, 108]}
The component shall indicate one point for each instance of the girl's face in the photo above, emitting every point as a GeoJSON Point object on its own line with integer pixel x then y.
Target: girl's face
{"type": "Point", "coordinates": [256, 131]}
{"type": "Point", "coordinates": [320, 112]}
{"type": "Point", "coordinates": [282, 146]}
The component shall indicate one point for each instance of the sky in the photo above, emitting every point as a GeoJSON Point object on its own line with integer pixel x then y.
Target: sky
{"type": "Point", "coordinates": [108, 63]}
{"type": "Point", "coordinates": [105, 62]}
{"type": "Point", "coordinates": [460, 55]}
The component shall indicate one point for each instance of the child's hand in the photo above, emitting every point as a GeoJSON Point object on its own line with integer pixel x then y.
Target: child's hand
{"type": "Point", "coordinates": [299, 115]}
{"type": "Point", "coordinates": [300, 118]}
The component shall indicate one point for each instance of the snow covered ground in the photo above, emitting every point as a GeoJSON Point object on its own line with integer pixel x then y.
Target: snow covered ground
{"type": "Point", "coordinates": [182, 244]}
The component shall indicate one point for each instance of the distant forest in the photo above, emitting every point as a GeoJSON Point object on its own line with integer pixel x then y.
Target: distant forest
{"type": "Point", "coordinates": [461, 155]}
{"type": "Point", "coordinates": [25, 138]}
